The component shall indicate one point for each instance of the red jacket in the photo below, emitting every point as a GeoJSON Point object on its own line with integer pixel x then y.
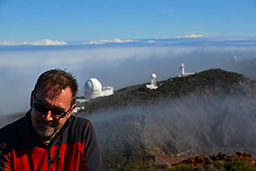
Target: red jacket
{"type": "Point", "coordinates": [73, 148]}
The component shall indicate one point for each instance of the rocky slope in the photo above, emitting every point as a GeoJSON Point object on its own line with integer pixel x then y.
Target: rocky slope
{"type": "Point", "coordinates": [217, 162]}
{"type": "Point", "coordinates": [203, 160]}
{"type": "Point", "coordinates": [206, 113]}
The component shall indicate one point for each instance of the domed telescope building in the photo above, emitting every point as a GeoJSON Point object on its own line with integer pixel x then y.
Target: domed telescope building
{"type": "Point", "coordinates": [94, 89]}
{"type": "Point", "coordinates": [153, 82]}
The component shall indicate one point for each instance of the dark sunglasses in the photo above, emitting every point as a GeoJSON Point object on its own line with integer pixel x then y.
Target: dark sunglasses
{"type": "Point", "coordinates": [56, 114]}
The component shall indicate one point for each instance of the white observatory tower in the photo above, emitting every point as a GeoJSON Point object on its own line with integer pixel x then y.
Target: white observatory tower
{"type": "Point", "coordinates": [182, 70]}
{"type": "Point", "coordinates": [93, 89]}
{"type": "Point", "coordinates": [153, 82]}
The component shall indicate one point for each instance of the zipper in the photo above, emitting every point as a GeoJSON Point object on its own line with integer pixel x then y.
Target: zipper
{"type": "Point", "coordinates": [58, 158]}
{"type": "Point", "coordinates": [49, 160]}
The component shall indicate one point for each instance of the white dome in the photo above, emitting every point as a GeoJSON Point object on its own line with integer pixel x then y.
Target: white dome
{"type": "Point", "coordinates": [93, 85]}
{"type": "Point", "coordinates": [153, 75]}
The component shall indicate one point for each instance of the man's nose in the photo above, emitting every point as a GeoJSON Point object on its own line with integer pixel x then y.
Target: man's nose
{"type": "Point", "coordinates": [48, 116]}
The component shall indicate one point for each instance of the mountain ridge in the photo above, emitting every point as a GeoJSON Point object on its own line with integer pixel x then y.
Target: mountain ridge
{"type": "Point", "coordinates": [173, 88]}
{"type": "Point", "coordinates": [205, 113]}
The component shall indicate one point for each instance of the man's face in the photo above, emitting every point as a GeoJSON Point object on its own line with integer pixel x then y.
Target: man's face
{"type": "Point", "coordinates": [57, 109]}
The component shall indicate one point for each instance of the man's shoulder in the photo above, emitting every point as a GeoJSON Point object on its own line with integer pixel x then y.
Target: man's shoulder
{"type": "Point", "coordinates": [76, 129]}
{"type": "Point", "coordinates": [11, 129]}
{"type": "Point", "coordinates": [80, 124]}
{"type": "Point", "coordinates": [12, 125]}
{"type": "Point", "coordinates": [79, 120]}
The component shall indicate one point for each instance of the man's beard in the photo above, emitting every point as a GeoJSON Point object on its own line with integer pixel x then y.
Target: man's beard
{"type": "Point", "coordinates": [46, 129]}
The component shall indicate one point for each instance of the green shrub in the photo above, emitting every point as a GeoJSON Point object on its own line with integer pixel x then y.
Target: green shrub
{"type": "Point", "coordinates": [219, 164]}
{"type": "Point", "coordinates": [180, 167]}
{"type": "Point", "coordinates": [212, 168]}
{"type": "Point", "coordinates": [239, 166]}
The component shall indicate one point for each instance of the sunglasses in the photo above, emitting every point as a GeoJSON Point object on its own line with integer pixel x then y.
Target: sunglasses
{"type": "Point", "coordinates": [56, 114]}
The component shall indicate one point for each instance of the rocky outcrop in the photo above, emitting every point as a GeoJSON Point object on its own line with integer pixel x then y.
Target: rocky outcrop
{"type": "Point", "coordinates": [203, 160]}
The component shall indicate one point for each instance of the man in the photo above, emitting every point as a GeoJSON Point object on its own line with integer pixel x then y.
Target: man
{"type": "Point", "coordinates": [49, 137]}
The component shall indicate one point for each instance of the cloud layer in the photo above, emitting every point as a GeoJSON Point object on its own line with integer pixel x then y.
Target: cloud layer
{"type": "Point", "coordinates": [44, 42]}
{"type": "Point", "coordinates": [48, 42]}
{"type": "Point", "coordinates": [117, 40]}
{"type": "Point", "coordinates": [118, 65]}
{"type": "Point", "coordinates": [191, 36]}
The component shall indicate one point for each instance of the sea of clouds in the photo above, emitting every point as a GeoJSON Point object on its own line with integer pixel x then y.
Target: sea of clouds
{"type": "Point", "coordinates": [117, 63]}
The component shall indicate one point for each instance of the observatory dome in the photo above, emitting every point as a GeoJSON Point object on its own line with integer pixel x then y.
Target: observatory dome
{"type": "Point", "coordinates": [92, 85]}
{"type": "Point", "coordinates": [94, 89]}
{"type": "Point", "coordinates": [153, 75]}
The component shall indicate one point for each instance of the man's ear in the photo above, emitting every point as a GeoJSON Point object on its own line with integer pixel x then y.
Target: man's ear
{"type": "Point", "coordinates": [31, 98]}
{"type": "Point", "coordinates": [73, 107]}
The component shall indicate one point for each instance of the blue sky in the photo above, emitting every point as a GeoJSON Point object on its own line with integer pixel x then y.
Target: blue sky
{"type": "Point", "coordinates": [119, 42]}
{"type": "Point", "coordinates": [90, 20]}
